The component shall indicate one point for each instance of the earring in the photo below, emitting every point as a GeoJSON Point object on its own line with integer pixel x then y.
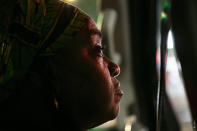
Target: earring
{"type": "Point", "coordinates": [56, 103]}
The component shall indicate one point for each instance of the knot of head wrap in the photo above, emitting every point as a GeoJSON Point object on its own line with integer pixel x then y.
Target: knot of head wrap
{"type": "Point", "coordinates": [60, 24]}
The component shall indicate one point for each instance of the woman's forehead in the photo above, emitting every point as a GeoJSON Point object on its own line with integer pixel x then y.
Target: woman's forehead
{"type": "Point", "coordinates": [93, 29]}
{"type": "Point", "coordinates": [91, 23]}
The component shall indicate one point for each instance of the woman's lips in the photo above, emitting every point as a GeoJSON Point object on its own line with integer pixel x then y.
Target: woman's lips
{"type": "Point", "coordinates": [119, 92]}
{"type": "Point", "coordinates": [118, 95]}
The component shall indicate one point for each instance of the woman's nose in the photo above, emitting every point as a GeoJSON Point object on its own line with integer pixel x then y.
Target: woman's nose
{"type": "Point", "coordinates": [114, 69]}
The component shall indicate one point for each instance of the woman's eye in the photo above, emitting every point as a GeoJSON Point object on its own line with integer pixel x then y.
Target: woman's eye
{"type": "Point", "coordinates": [98, 50]}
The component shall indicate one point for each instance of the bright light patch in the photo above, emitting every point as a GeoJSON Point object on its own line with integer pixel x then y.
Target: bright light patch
{"type": "Point", "coordinates": [128, 128]}
{"type": "Point", "coordinates": [100, 20]}
{"type": "Point", "coordinates": [163, 15]}
{"type": "Point", "coordinates": [170, 42]}
{"type": "Point", "coordinates": [69, 1]}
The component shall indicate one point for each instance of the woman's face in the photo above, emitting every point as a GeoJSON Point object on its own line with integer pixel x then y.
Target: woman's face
{"type": "Point", "coordinates": [89, 88]}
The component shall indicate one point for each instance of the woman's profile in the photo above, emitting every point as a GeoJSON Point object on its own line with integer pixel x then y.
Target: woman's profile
{"type": "Point", "coordinates": [54, 75]}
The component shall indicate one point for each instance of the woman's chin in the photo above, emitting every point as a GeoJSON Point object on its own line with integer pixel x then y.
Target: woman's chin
{"type": "Point", "coordinates": [114, 113]}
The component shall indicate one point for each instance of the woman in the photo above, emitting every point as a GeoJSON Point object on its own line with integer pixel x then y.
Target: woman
{"type": "Point", "coordinates": [68, 83]}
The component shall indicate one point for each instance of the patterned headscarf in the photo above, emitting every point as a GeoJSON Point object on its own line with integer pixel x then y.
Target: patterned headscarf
{"type": "Point", "coordinates": [42, 28]}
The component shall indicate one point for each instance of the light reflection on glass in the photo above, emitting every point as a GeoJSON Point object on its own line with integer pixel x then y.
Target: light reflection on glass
{"type": "Point", "coordinates": [170, 44]}
{"type": "Point", "coordinates": [175, 87]}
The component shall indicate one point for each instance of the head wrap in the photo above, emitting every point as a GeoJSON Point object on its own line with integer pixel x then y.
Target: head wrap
{"type": "Point", "coordinates": [41, 29]}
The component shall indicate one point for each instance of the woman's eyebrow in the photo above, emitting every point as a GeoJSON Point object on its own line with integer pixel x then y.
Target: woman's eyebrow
{"type": "Point", "coordinates": [95, 31]}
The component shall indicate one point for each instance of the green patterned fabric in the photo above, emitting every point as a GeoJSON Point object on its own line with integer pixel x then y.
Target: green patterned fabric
{"type": "Point", "coordinates": [16, 56]}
